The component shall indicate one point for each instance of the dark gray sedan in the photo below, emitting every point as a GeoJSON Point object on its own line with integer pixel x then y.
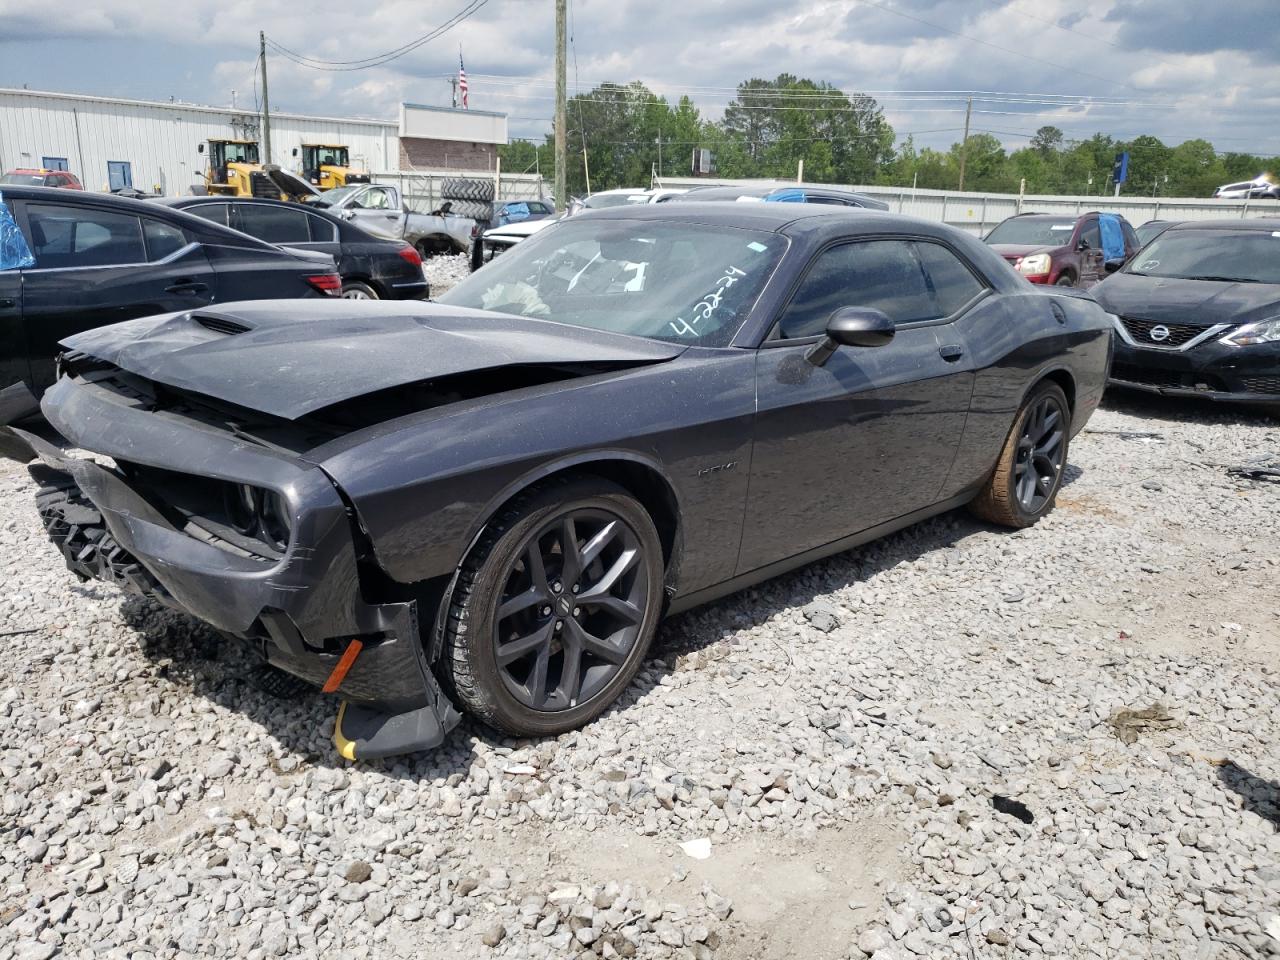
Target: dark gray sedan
{"type": "Point", "coordinates": [500, 494]}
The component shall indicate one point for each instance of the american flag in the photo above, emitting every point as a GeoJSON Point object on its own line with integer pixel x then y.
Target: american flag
{"type": "Point", "coordinates": [462, 80]}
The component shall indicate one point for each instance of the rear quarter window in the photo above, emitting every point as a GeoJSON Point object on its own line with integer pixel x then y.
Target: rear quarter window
{"type": "Point", "coordinates": [83, 237]}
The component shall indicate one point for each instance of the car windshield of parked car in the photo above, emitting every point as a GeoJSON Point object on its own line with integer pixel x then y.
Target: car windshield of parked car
{"type": "Point", "coordinates": [24, 179]}
{"type": "Point", "coordinates": [601, 200]}
{"type": "Point", "coordinates": [1246, 256]}
{"type": "Point", "coordinates": [1149, 231]}
{"type": "Point", "coordinates": [674, 281]}
{"type": "Point", "coordinates": [1029, 232]}
{"type": "Point", "coordinates": [329, 198]}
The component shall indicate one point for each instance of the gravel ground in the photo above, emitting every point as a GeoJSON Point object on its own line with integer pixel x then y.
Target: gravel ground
{"type": "Point", "coordinates": [918, 748]}
{"type": "Point", "coordinates": [444, 271]}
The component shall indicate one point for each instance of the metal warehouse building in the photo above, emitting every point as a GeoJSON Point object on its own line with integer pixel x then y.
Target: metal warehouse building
{"type": "Point", "coordinates": [110, 143]}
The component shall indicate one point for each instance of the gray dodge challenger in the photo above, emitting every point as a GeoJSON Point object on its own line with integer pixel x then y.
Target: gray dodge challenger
{"type": "Point", "coordinates": [487, 503]}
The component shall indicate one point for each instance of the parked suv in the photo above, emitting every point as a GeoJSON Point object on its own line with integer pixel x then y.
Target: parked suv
{"type": "Point", "coordinates": [1065, 251]}
{"type": "Point", "coordinates": [40, 177]}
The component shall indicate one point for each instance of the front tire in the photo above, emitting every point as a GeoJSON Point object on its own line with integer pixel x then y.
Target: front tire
{"type": "Point", "coordinates": [1066, 280]}
{"type": "Point", "coordinates": [555, 608]}
{"type": "Point", "coordinates": [1025, 483]}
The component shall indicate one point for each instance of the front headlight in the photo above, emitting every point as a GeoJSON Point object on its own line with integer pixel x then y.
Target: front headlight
{"type": "Point", "coordinates": [1033, 265]}
{"type": "Point", "coordinates": [277, 524]}
{"type": "Point", "coordinates": [1264, 331]}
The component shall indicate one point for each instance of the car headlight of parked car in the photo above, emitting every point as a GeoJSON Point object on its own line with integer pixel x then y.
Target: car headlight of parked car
{"type": "Point", "coordinates": [1264, 331]}
{"type": "Point", "coordinates": [1034, 265]}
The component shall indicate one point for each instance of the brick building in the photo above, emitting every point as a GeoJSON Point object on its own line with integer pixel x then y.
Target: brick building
{"type": "Point", "coordinates": [447, 138]}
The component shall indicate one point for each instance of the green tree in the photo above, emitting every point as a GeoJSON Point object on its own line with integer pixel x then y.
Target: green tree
{"type": "Point", "coordinates": [1047, 141]}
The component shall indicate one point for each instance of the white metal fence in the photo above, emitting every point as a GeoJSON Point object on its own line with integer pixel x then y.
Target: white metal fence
{"type": "Point", "coordinates": [421, 188]}
{"type": "Point", "coordinates": [978, 212]}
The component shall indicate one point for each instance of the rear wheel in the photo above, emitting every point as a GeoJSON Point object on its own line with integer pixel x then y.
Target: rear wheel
{"type": "Point", "coordinates": [1028, 474]}
{"type": "Point", "coordinates": [355, 290]}
{"type": "Point", "coordinates": [555, 609]}
{"type": "Point", "coordinates": [1066, 280]}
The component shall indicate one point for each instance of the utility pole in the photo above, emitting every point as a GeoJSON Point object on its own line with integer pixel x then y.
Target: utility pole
{"type": "Point", "coordinates": [561, 108]}
{"type": "Point", "coordinates": [266, 108]}
{"type": "Point", "coordinates": [964, 144]}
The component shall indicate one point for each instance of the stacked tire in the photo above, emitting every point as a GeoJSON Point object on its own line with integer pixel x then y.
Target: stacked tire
{"type": "Point", "coordinates": [474, 199]}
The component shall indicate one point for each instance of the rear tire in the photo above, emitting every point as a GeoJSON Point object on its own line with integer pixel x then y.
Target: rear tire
{"type": "Point", "coordinates": [1028, 474]}
{"type": "Point", "coordinates": [355, 290]}
{"type": "Point", "coordinates": [1066, 280]}
{"type": "Point", "coordinates": [556, 658]}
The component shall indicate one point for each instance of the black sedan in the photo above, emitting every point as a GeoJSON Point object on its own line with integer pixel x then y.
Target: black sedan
{"type": "Point", "coordinates": [372, 268]}
{"type": "Point", "coordinates": [500, 494]}
{"type": "Point", "coordinates": [1198, 312]}
{"type": "Point", "coordinates": [74, 260]}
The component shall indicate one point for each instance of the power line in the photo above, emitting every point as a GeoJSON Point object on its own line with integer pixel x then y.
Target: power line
{"type": "Point", "coordinates": [316, 63]}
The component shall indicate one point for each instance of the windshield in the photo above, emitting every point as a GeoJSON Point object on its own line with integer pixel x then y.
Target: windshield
{"type": "Point", "coordinates": [242, 153]}
{"type": "Point", "coordinates": [681, 282]}
{"type": "Point", "coordinates": [24, 179]}
{"type": "Point", "coordinates": [601, 200]}
{"type": "Point", "coordinates": [331, 198]}
{"type": "Point", "coordinates": [1248, 256]}
{"type": "Point", "coordinates": [1149, 231]}
{"type": "Point", "coordinates": [1029, 231]}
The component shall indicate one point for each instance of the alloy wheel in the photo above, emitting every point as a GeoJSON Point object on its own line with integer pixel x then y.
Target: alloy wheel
{"type": "Point", "coordinates": [1038, 464]}
{"type": "Point", "coordinates": [571, 609]}
{"type": "Point", "coordinates": [355, 293]}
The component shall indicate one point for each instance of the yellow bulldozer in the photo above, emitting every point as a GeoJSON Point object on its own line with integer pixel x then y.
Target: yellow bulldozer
{"type": "Point", "coordinates": [328, 165]}
{"type": "Point", "coordinates": [235, 171]}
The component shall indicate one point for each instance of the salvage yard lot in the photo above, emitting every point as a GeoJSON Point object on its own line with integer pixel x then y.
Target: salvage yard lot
{"type": "Point", "coordinates": [838, 734]}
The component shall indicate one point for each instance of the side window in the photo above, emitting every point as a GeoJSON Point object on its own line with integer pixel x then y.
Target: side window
{"type": "Point", "coordinates": [272, 224]}
{"type": "Point", "coordinates": [884, 274]}
{"type": "Point", "coordinates": [536, 206]}
{"type": "Point", "coordinates": [376, 198]}
{"type": "Point", "coordinates": [163, 239]}
{"type": "Point", "coordinates": [83, 237]}
{"type": "Point", "coordinates": [322, 231]}
{"type": "Point", "coordinates": [953, 283]}
{"type": "Point", "coordinates": [213, 212]}
{"type": "Point", "coordinates": [1131, 240]}
{"type": "Point", "coordinates": [518, 211]}
{"type": "Point", "coordinates": [1089, 231]}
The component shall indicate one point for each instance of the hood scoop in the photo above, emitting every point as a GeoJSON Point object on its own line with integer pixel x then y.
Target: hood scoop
{"type": "Point", "coordinates": [219, 324]}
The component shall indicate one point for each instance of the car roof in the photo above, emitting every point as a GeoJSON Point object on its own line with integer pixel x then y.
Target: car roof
{"type": "Point", "coordinates": [109, 201]}
{"type": "Point", "coordinates": [180, 203]}
{"type": "Point", "coordinates": [1259, 225]}
{"type": "Point", "coordinates": [774, 217]}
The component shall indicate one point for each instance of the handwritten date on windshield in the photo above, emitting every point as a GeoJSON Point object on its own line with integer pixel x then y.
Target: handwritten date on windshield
{"type": "Point", "coordinates": [707, 305]}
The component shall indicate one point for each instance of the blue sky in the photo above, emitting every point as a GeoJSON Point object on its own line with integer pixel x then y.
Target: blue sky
{"type": "Point", "coordinates": [1174, 68]}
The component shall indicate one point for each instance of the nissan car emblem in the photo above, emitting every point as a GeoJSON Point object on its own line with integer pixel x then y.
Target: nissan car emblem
{"type": "Point", "coordinates": [1160, 333]}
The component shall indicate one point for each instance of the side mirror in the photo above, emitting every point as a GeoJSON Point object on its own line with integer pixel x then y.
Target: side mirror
{"type": "Point", "coordinates": [852, 327]}
{"type": "Point", "coordinates": [295, 151]}
{"type": "Point", "coordinates": [1111, 266]}
{"type": "Point", "coordinates": [200, 148]}
{"type": "Point", "coordinates": [1082, 245]}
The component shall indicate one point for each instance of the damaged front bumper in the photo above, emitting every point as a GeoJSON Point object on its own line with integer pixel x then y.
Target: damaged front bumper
{"type": "Point", "coordinates": [303, 612]}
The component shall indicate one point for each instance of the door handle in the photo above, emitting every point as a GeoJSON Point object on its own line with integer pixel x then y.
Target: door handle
{"type": "Point", "coordinates": [188, 287]}
{"type": "Point", "coordinates": [951, 352]}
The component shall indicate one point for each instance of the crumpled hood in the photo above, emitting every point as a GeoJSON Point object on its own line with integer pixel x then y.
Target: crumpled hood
{"type": "Point", "coordinates": [1206, 302]}
{"type": "Point", "coordinates": [1011, 251]}
{"type": "Point", "coordinates": [290, 358]}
